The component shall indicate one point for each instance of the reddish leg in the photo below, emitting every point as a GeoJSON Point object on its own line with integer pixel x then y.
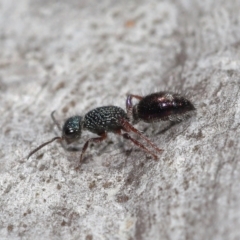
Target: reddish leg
{"type": "Point", "coordinates": [95, 140]}
{"type": "Point", "coordinates": [129, 104]}
{"type": "Point", "coordinates": [127, 136]}
{"type": "Point", "coordinates": [129, 128]}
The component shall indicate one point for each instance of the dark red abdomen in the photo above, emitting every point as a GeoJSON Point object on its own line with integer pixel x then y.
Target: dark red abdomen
{"type": "Point", "coordinates": [162, 106]}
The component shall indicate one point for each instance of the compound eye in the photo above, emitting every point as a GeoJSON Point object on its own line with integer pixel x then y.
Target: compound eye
{"type": "Point", "coordinates": [72, 128]}
{"type": "Point", "coordinates": [70, 132]}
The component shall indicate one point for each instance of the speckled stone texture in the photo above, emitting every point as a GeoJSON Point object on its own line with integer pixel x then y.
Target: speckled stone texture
{"type": "Point", "coordinates": [72, 56]}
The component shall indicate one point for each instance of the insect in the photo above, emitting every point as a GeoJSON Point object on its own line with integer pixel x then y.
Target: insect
{"type": "Point", "coordinates": [159, 106]}
{"type": "Point", "coordinates": [100, 121]}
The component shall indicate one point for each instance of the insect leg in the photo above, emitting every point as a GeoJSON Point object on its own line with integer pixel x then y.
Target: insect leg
{"type": "Point", "coordinates": [129, 104]}
{"type": "Point", "coordinates": [95, 140]}
{"type": "Point", "coordinates": [129, 128]}
{"type": "Point", "coordinates": [137, 143]}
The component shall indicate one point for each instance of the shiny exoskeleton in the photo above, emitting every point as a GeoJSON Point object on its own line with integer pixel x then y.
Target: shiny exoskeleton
{"type": "Point", "coordinates": [100, 121]}
{"type": "Point", "coordinates": [159, 106]}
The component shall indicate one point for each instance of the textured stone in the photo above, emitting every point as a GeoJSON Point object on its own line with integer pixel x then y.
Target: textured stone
{"type": "Point", "coordinates": [72, 56]}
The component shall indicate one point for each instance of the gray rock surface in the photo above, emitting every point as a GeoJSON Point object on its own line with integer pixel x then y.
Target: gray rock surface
{"type": "Point", "coordinates": [72, 56]}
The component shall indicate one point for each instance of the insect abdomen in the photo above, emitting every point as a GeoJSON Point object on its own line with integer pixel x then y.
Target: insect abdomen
{"type": "Point", "coordinates": [162, 106]}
